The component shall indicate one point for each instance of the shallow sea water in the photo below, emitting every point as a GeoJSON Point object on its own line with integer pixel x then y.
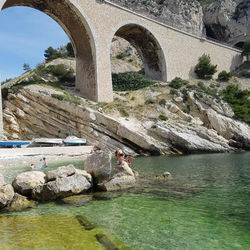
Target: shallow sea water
{"type": "Point", "coordinates": [205, 206]}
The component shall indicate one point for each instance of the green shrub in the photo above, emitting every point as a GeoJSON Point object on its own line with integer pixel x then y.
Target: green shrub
{"type": "Point", "coordinates": [173, 92]}
{"type": "Point", "coordinates": [204, 69]}
{"type": "Point", "coordinates": [225, 76]}
{"type": "Point", "coordinates": [130, 81]}
{"type": "Point", "coordinates": [121, 56]}
{"type": "Point", "coordinates": [163, 117]}
{"type": "Point", "coordinates": [246, 48]}
{"type": "Point", "coordinates": [162, 102]}
{"type": "Point", "coordinates": [58, 97]}
{"type": "Point", "coordinates": [177, 83]}
{"type": "Point", "coordinates": [239, 100]}
{"type": "Point", "coordinates": [123, 112]}
{"type": "Point", "coordinates": [61, 72]}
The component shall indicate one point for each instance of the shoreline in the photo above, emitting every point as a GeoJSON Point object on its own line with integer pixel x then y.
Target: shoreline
{"type": "Point", "coordinates": [26, 156]}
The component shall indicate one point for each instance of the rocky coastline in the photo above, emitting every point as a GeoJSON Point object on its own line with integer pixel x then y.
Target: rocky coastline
{"type": "Point", "coordinates": [66, 183]}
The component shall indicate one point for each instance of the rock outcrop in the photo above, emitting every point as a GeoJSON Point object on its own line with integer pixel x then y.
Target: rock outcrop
{"type": "Point", "coordinates": [25, 182]}
{"type": "Point", "coordinates": [61, 187]}
{"type": "Point", "coordinates": [181, 14]}
{"type": "Point", "coordinates": [105, 177]}
{"type": "Point", "coordinates": [60, 172]}
{"type": "Point", "coordinates": [208, 127]}
{"type": "Point", "coordinates": [228, 20]}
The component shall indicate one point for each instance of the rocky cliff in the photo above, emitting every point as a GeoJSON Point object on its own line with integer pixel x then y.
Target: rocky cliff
{"type": "Point", "coordinates": [150, 120]}
{"type": "Point", "coordinates": [228, 20]}
{"type": "Point", "coordinates": [224, 20]}
{"type": "Point", "coordinates": [181, 14]}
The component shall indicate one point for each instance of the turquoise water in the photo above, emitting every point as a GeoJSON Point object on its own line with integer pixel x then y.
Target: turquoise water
{"type": "Point", "coordinates": [205, 206]}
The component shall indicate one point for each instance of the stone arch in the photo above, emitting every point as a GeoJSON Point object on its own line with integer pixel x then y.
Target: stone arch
{"type": "Point", "coordinates": [147, 45]}
{"type": "Point", "coordinates": [77, 26]}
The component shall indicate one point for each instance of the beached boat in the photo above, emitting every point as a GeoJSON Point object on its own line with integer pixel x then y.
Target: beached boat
{"type": "Point", "coordinates": [74, 141]}
{"type": "Point", "coordinates": [13, 144]}
{"type": "Point", "coordinates": [43, 142]}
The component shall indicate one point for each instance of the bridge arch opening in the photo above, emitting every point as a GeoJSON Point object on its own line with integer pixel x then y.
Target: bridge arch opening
{"type": "Point", "coordinates": [80, 33]}
{"type": "Point", "coordinates": [148, 48]}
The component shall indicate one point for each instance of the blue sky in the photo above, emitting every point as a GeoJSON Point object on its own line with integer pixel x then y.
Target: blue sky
{"type": "Point", "coordinates": [24, 35]}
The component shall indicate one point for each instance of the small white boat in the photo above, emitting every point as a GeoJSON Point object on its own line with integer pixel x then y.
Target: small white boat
{"type": "Point", "coordinates": [46, 142]}
{"type": "Point", "coordinates": [74, 141]}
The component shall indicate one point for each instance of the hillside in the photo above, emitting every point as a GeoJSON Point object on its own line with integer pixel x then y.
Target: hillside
{"type": "Point", "coordinates": [162, 118]}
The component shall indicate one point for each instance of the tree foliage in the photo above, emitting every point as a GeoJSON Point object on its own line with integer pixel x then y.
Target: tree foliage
{"type": "Point", "coordinates": [62, 52]}
{"type": "Point", "coordinates": [26, 67]}
{"type": "Point", "coordinates": [225, 76]}
{"type": "Point", "coordinates": [239, 100]}
{"type": "Point", "coordinates": [246, 48]}
{"type": "Point", "coordinates": [204, 69]}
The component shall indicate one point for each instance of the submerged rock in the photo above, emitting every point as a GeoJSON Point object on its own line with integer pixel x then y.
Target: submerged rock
{"type": "Point", "coordinates": [78, 200]}
{"type": "Point", "coordinates": [61, 187]}
{"type": "Point", "coordinates": [24, 183]}
{"type": "Point", "coordinates": [60, 172]}
{"type": "Point", "coordinates": [6, 195]}
{"type": "Point", "coordinates": [88, 225]}
{"type": "Point", "coordinates": [20, 203]}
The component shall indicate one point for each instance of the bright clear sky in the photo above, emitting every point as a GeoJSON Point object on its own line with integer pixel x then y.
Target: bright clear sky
{"type": "Point", "coordinates": [25, 33]}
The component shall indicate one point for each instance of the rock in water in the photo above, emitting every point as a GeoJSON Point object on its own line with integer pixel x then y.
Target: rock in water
{"type": "Point", "coordinates": [85, 174]}
{"type": "Point", "coordinates": [99, 166]}
{"type": "Point", "coordinates": [118, 183]}
{"type": "Point", "coordinates": [60, 172]}
{"type": "Point", "coordinates": [2, 182]}
{"type": "Point", "coordinates": [20, 203]}
{"type": "Point", "coordinates": [78, 200]}
{"type": "Point", "coordinates": [24, 183]}
{"type": "Point", "coordinates": [6, 195]}
{"type": "Point", "coordinates": [61, 187]}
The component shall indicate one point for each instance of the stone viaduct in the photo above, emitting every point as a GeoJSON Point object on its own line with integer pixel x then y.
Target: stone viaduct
{"type": "Point", "coordinates": [91, 26]}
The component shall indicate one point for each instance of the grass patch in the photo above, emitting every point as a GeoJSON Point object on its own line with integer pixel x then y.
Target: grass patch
{"type": "Point", "coordinates": [163, 117]}
{"type": "Point", "coordinates": [123, 112]}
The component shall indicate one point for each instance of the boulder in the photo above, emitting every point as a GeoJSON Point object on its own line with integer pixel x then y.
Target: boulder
{"type": "Point", "coordinates": [61, 187]}
{"type": "Point", "coordinates": [20, 203]}
{"type": "Point", "coordinates": [2, 182]}
{"type": "Point", "coordinates": [60, 172]}
{"type": "Point", "coordinates": [118, 183]}
{"type": "Point", "coordinates": [78, 200]}
{"type": "Point", "coordinates": [85, 174]}
{"type": "Point", "coordinates": [99, 166]}
{"type": "Point", "coordinates": [6, 195]}
{"type": "Point", "coordinates": [25, 182]}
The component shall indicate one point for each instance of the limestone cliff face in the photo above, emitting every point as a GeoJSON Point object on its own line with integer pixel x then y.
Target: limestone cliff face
{"type": "Point", "coordinates": [228, 20]}
{"type": "Point", "coordinates": [209, 127]}
{"type": "Point", "coordinates": [224, 20]}
{"type": "Point", "coordinates": [181, 14]}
